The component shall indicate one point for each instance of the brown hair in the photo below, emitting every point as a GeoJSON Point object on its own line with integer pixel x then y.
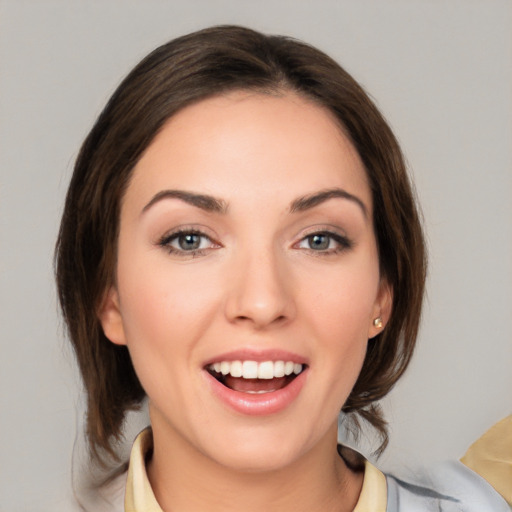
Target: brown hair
{"type": "Point", "coordinates": [186, 70]}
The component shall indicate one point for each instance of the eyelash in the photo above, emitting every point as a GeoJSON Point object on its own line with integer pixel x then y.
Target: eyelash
{"type": "Point", "coordinates": [342, 243]}
{"type": "Point", "coordinates": [167, 240]}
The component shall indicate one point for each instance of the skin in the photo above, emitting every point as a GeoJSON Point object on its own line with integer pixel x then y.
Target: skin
{"type": "Point", "coordinates": [256, 283]}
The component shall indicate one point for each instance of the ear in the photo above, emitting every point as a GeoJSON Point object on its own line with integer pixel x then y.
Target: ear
{"type": "Point", "coordinates": [381, 309]}
{"type": "Point", "coordinates": [111, 319]}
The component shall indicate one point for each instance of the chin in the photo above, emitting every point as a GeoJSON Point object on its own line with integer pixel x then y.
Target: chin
{"type": "Point", "coordinates": [257, 461]}
{"type": "Point", "coordinates": [258, 450]}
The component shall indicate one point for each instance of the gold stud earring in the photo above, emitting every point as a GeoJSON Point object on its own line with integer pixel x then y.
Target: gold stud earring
{"type": "Point", "coordinates": [378, 322]}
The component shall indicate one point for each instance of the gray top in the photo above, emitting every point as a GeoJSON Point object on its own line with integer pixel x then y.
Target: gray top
{"type": "Point", "coordinates": [446, 487]}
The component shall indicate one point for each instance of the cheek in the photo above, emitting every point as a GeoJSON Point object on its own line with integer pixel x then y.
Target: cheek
{"type": "Point", "coordinates": [164, 318]}
{"type": "Point", "coordinates": [343, 300]}
{"type": "Point", "coordinates": [165, 308]}
{"type": "Point", "coordinates": [156, 289]}
{"type": "Point", "coordinates": [342, 328]}
{"type": "Point", "coordinates": [340, 310]}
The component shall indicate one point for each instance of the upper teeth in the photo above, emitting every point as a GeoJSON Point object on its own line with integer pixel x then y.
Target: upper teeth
{"type": "Point", "coordinates": [255, 370]}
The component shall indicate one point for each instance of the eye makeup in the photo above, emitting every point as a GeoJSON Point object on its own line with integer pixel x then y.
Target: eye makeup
{"type": "Point", "coordinates": [187, 242]}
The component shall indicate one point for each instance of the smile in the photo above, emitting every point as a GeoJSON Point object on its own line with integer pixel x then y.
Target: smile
{"type": "Point", "coordinates": [256, 387]}
{"type": "Point", "coordinates": [254, 377]}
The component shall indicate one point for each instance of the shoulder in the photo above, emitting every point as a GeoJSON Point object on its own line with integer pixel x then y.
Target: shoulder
{"type": "Point", "coordinates": [446, 487]}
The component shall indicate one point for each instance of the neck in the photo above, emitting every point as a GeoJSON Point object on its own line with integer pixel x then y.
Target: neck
{"type": "Point", "coordinates": [185, 479]}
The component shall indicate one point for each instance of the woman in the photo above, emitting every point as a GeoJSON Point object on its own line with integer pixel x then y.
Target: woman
{"type": "Point", "coordinates": [241, 244]}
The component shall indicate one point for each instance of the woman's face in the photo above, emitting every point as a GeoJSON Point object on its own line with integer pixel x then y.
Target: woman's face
{"type": "Point", "coordinates": [246, 252]}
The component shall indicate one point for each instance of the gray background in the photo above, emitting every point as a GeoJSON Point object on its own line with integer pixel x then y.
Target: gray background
{"type": "Point", "coordinates": [440, 71]}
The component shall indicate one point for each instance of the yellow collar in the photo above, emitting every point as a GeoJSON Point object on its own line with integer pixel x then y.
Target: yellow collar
{"type": "Point", "coordinates": [139, 496]}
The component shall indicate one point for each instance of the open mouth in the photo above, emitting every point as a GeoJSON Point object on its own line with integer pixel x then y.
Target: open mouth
{"type": "Point", "coordinates": [254, 377]}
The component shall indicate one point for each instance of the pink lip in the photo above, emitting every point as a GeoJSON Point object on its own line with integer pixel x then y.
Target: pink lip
{"type": "Point", "coordinates": [258, 356]}
{"type": "Point", "coordinates": [262, 404]}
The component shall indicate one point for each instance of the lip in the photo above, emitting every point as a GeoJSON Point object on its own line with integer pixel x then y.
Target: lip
{"type": "Point", "coordinates": [257, 404]}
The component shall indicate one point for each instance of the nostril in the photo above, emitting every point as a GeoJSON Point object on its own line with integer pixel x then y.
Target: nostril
{"type": "Point", "coordinates": [242, 317]}
{"type": "Point", "coordinates": [260, 320]}
{"type": "Point", "coordinates": [255, 300]}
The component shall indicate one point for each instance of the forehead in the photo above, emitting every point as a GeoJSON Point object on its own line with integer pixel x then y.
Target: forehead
{"type": "Point", "coordinates": [252, 143]}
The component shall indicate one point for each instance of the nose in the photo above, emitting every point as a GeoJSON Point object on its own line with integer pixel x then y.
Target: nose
{"type": "Point", "coordinates": [260, 292]}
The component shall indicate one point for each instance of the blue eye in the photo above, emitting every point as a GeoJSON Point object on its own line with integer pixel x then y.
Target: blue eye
{"type": "Point", "coordinates": [325, 242]}
{"type": "Point", "coordinates": [186, 242]}
{"type": "Point", "coordinates": [319, 241]}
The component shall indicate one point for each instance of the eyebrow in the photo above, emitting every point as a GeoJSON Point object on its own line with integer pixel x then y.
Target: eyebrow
{"type": "Point", "coordinates": [215, 205]}
{"type": "Point", "coordinates": [203, 201]}
{"type": "Point", "coordinates": [312, 200]}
